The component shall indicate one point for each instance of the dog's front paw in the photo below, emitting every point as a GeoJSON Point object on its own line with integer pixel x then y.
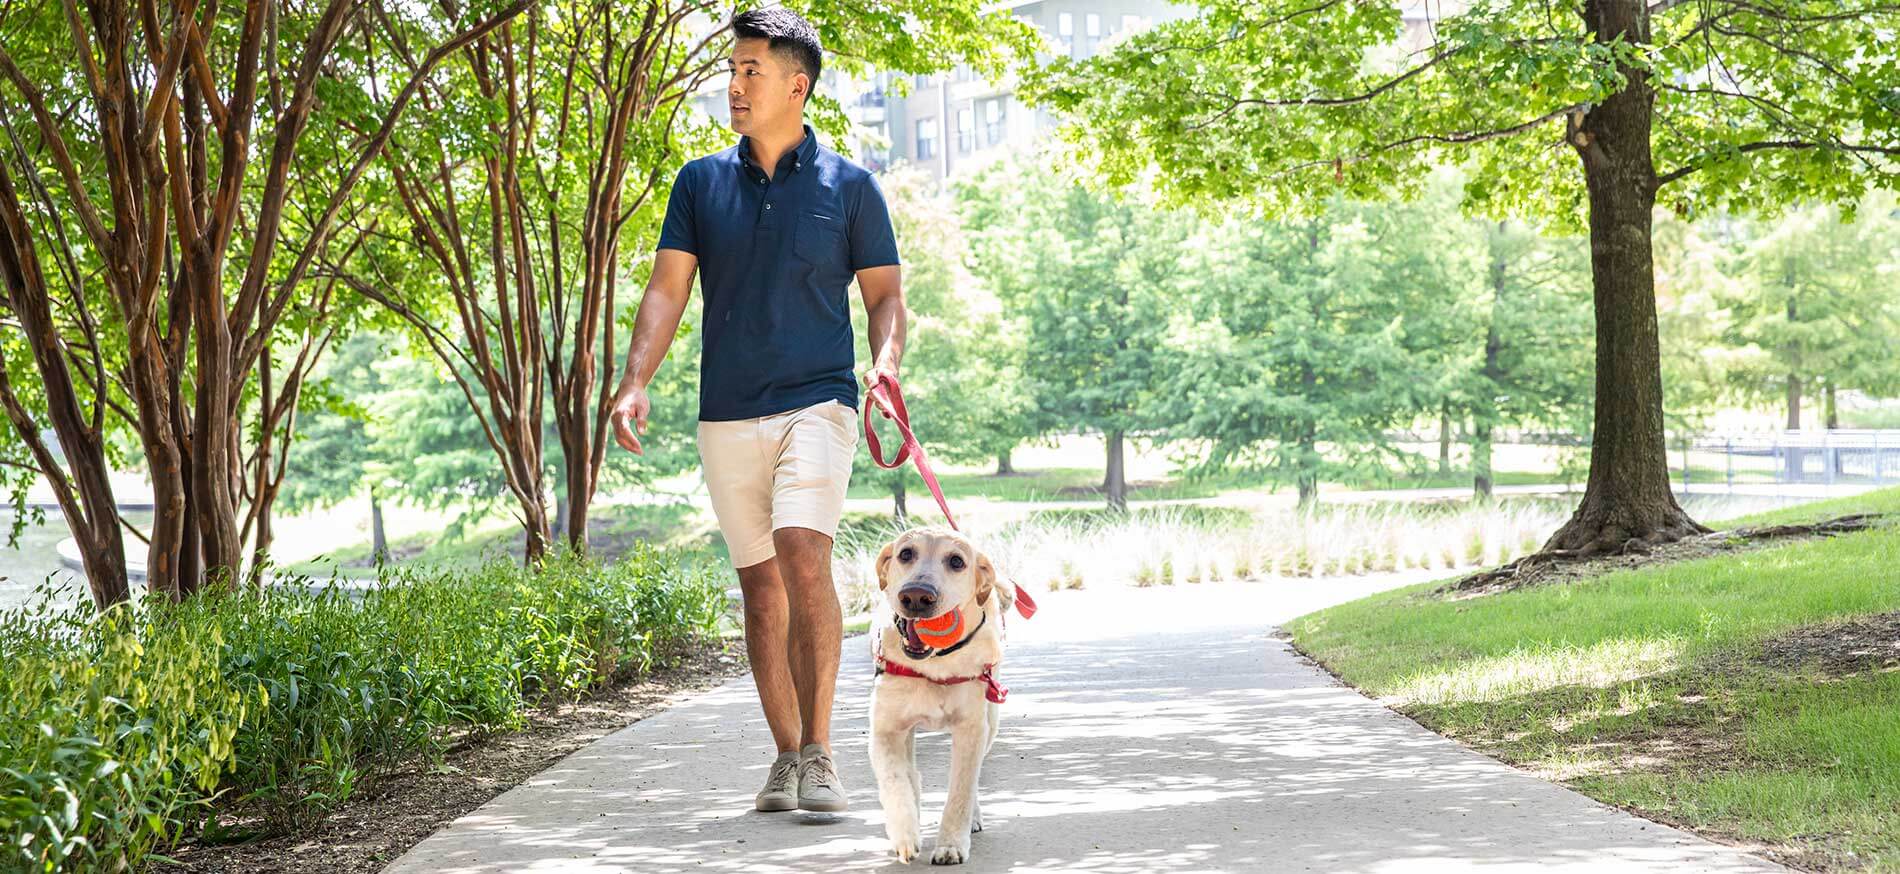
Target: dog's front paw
{"type": "Point", "coordinates": [949, 854]}
{"type": "Point", "coordinates": [905, 847]}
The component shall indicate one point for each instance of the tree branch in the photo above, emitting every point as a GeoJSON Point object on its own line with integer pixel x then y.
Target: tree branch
{"type": "Point", "coordinates": [1765, 145]}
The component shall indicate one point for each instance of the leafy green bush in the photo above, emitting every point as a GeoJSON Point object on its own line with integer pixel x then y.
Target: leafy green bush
{"type": "Point", "coordinates": [123, 729]}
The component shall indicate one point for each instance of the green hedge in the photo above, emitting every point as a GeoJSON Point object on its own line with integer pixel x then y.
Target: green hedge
{"type": "Point", "coordinates": [123, 732]}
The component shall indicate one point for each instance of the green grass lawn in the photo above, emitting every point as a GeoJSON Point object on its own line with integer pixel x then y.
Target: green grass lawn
{"type": "Point", "coordinates": [1680, 690]}
{"type": "Point", "coordinates": [612, 529]}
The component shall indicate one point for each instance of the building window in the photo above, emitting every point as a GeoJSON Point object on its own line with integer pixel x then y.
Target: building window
{"type": "Point", "coordinates": [1094, 23]}
{"type": "Point", "coordinates": [993, 118]}
{"type": "Point", "coordinates": [1065, 25]}
{"type": "Point", "coordinates": [920, 81]}
{"type": "Point", "coordinates": [966, 130]}
{"type": "Point", "coordinates": [926, 138]}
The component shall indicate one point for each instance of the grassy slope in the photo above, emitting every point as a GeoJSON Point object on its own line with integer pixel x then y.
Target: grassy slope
{"type": "Point", "coordinates": [1648, 688]}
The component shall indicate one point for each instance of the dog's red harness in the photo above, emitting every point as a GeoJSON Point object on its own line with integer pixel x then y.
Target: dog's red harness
{"type": "Point", "coordinates": [996, 691]}
{"type": "Point", "coordinates": [889, 399]}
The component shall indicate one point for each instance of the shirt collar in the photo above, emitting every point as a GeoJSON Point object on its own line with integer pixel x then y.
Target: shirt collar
{"type": "Point", "coordinates": [798, 157]}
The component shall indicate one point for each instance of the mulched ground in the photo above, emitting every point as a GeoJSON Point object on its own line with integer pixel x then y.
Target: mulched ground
{"type": "Point", "coordinates": [1543, 569]}
{"type": "Point", "coordinates": [1838, 649]}
{"type": "Point", "coordinates": [396, 811]}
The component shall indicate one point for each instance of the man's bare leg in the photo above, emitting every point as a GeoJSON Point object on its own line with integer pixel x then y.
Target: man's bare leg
{"type": "Point", "coordinates": [817, 627]}
{"type": "Point", "coordinates": [767, 637]}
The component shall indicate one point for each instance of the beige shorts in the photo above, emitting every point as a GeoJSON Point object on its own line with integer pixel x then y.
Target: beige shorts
{"type": "Point", "coordinates": [785, 470]}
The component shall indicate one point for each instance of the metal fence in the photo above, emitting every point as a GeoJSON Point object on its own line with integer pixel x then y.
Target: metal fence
{"type": "Point", "coordinates": [1804, 459]}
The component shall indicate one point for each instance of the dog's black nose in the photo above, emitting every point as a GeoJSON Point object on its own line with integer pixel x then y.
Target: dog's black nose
{"type": "Point", "coordinates": [917, 600]}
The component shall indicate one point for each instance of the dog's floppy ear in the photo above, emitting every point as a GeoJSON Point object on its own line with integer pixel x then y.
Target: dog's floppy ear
{"type": "Point", "coordinates": [884, 562]}
{"type": "Point", "coordinates": [985, 579]}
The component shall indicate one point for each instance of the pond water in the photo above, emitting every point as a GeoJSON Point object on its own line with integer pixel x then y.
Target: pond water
{"type": "Point", "coordinates": [28, 563]}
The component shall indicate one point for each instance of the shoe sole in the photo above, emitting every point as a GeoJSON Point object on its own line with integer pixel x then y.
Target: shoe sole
{"type": "Point", "coordinates": [775, 805]}
{"type": "Point", "coordinates": [815, 806]}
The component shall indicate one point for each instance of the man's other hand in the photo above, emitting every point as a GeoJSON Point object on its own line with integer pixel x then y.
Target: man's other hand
{"type": "Point", "coordinates": [630, 405]}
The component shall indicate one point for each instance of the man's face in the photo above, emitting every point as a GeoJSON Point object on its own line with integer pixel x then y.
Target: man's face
{"type": "Point", "coordinates": [766, 87]}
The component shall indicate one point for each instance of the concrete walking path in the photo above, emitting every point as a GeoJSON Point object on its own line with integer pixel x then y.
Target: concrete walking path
{"type": "Point", "coordinates": [1147, 730]}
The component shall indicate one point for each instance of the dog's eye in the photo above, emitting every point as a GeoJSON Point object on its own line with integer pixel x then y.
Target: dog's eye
{"type": "Point", "coordinates": [906, 554]}
{"type": "Point", "coordinates": [955, 562]}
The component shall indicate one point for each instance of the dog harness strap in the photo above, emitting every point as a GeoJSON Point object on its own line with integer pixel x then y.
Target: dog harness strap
{"type": "Point", "coordinates": [993, 691]}
{"type": "Point", "coordinates": [996, 692]}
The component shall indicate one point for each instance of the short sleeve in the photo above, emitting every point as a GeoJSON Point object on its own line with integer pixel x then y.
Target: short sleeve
{"type": "Point", "coordinates": [873, 240]}
{"type": "Point", "coordinates": [679, 230]}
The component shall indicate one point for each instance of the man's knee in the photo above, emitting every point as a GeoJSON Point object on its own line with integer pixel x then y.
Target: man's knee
{"type": "Point", "coordinates": [804, 556]}
{"type": "Point", "coordinates": [801, 545]}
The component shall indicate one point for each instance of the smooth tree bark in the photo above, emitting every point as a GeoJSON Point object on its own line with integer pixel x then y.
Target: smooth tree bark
{"type": "Point", "coordinates": [85, 496]}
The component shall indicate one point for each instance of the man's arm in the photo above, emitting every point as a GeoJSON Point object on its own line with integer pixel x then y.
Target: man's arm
{"type": "Point", "coordinates": [883, 291]}
{"type": "Point", "coordinates": [661, 308]}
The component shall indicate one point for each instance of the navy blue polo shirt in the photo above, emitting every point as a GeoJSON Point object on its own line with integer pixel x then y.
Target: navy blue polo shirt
{"type": "Point", "coordinates": [776, 257]}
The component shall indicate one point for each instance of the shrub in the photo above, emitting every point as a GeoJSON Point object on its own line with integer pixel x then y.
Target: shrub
{"type": "Point", "coordinates": [124, 728]}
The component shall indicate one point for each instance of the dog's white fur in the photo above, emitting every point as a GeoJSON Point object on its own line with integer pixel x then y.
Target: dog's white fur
{"type": "Point", "coordinates": [902, 705]}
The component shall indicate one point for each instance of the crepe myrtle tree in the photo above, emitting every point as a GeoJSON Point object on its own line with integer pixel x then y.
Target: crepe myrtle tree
{"type": "Point", "coordinates": [533, 189]}
{"type": "Point", "coordinates": [171, 172]}
{"type": "Point", "coordinates": [1585, 112]}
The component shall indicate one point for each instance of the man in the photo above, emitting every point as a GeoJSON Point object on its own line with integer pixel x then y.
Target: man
{"type": "Point", "coordinates": [777, 227]}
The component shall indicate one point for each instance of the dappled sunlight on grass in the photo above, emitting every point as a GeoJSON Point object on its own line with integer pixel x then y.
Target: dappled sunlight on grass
{"type": "Point", "coordinates": [1544, 666]}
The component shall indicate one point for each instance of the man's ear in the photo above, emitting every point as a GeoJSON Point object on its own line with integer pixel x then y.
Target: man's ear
{"type": "Point", "coordinates": [985, 579]}
{"type": "Point", "coordinates": [884, 562]}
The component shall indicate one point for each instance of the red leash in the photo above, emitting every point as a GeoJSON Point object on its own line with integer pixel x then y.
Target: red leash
{"type": "Point", "coordinates": [889, 400]}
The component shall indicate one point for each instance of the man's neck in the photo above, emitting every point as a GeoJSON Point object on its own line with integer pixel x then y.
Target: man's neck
{"type": "Point", "coordinates": [768, 148]}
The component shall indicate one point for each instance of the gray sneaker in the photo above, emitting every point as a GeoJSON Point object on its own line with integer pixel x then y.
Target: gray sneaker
{"type": "Point", "coordinates": [818, 785]}
{"type": "Point", "coordinates": [780, 792]}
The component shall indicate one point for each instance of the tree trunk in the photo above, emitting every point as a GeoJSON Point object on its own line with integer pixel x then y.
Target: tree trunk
{"type": "Point", "coordinates": [1116, 482]}
{"type": "Point", "coordinates": [1833, 412]}
{"type": "Point", "coordinates": [1003, 465]}
{"type": "Point", "coordinates": [378, 538]}
{"type": "Point", "coordinates": [573, 505]}
{"type": "Point", "coordinates": [1481, 483]}
{"type": "Point", "coordinates": [86, 498]}
{"type": "Point", "coordinates": [1444, 439]}
{"type": "Point", "coordinates": [1628, 496]}
{"type": "Point", "coordinates": [1486, 413]}
{"type": "Point", "coordinates": [536, 536]}
{"type": "Point", "coordinates": [900, 509]}
{"type": "Point", "coordinates": [1306, 464]}
{"type": "Point", "coordinates": [1794, 402]}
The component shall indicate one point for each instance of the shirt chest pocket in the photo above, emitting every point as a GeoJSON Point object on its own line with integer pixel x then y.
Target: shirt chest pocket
{"type": "Point", "coordinates": [818, 238]}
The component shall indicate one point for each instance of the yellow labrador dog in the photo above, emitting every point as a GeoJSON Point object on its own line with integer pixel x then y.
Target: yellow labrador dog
{"type": "Point", "coordinates": [936, 662]}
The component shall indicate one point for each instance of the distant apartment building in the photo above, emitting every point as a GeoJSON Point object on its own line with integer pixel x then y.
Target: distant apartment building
{"type": "Point", "coordinates": [955, 122]}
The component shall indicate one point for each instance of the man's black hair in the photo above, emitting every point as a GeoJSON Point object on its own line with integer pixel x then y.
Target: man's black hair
{"type": "Point", "coordinates": [786, 32]}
